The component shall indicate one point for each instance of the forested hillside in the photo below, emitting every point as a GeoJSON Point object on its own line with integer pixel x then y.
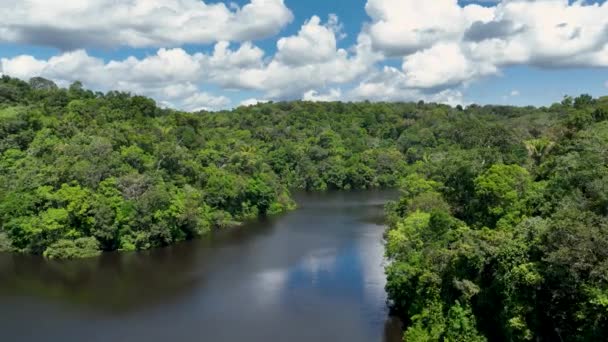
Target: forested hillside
{"type": "Point", "coordinates": [84, 172]}
{"type": "Point", "coordinates": [506, 240]}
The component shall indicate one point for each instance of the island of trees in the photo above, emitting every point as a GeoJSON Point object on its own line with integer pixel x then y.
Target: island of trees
{"type": "Point", "coordinates": [501, 232]}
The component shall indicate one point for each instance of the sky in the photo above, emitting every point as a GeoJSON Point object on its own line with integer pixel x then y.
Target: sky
{"type": "Point", "coordinates": [193, 54]}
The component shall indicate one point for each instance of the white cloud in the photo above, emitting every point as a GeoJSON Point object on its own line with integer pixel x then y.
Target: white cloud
{"type": "Point", "coordinates": [551, 33]}
{"type": "Point", "coordinates": [177, 78]}
{"type": "Point", "coordinates": [442, 65]}
{"type": "Point", "coordinates": [251, 102]}
{"type": "Point", "coordinates": [332, 95]}
{"type": "Point", "coordinates": [443, 47]}
{"type": "Point", "coordinates": [308, 60]}
{"type": "Point", "coordinates": [444, 44]}
{"type": "Point", "coordinates": [246, 56]}
{"type": "Point", "coordinates": [73, 24]}
{"type": "Point", "coordinates": [171, 76]}
{"type": "Point", "coordinates": [314, 43]}
{"type": "Point", "coordinates": [401, 27]}
{"type": "Point", "coordinates": [391, 84]}
{"type": "Point", "coordinates": [204, 101]}
{"type": "Point", "coordinates": [514, 93]}
{"type": "Point", "coordinates": [22, 67]}
{"type": "Point", "coordinates": [166, 65]}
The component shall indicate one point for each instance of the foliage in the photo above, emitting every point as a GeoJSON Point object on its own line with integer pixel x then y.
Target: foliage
{"type": "Point", "coordinates": [73, 249]}
{"type": "Point", "coordinates": [503, 246]}
{"type": "Point", "coordinates": [76, 164]}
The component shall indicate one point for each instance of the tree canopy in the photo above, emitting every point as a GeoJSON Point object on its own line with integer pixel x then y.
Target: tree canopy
{"type": "Point", "coordinates": [83, 172]}
{"type": "Point", "coordinates": [501, 235]}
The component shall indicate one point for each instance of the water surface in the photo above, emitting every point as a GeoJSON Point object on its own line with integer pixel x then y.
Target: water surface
{"type": "Point", "coordinates": [315, 274]}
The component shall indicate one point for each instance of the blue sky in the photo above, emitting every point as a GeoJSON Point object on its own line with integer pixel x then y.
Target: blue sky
{"type": "Point", "coordinates": [394, 50]}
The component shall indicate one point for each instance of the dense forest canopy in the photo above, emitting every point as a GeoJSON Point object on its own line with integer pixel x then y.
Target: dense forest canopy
{"type": "Point", "coordinates": [500, 234]}
{"type": "Point", "coordinates": [84, 172]}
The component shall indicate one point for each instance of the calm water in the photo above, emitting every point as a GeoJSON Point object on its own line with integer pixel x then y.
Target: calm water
{"type": "Point", "coordinates": [315, 274]}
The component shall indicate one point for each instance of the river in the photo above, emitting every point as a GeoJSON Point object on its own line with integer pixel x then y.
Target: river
{"type": "Point", "coordinates": [314, 274]}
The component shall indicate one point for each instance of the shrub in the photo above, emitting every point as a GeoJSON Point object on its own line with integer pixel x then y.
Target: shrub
{"type": "Point", "coordinates": [73, 249]}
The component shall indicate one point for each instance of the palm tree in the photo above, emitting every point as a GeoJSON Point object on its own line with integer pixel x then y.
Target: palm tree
{"type": "Point", "coordinates": [538, 149]}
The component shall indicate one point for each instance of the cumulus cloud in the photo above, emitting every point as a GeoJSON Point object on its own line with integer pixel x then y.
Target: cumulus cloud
{"type": "Point", "coordinates": [442, 46]}
{"type": "Point", "coordinates": [553, 33]}
{"type": "Point", "coordinates": [171, 76]}
{"type": "Point", "coordinates": [443, 65]}
{"type": "Point", "coordinates": [480, 31]}
{"type": "Point", "coordinates": [251, 102]}
{"type": "Point", "coordinates": [315, 43]}
{"type": "Point", "coordinates": [23, 66]}
{"type": "Point", "coordinates": [177, 78]}
{"type": "Point", "coordinates": [331, 95]}
{"type": "Point", "coordinates": [73, 24]}
{"type": "Point", "coordinates": [401, 27]}
{"type": "Point", "coordinates": [204, 101]}
{"type": "Point", "coordinates": [305, 61]}
{"type": "Point", "coordinates": [391, 84]}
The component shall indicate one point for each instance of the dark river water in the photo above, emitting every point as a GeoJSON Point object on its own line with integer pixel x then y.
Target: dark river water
{"type": "Point", "coordinates": [315, 274]}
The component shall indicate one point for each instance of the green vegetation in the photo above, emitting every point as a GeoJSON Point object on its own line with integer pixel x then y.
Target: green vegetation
{"type": "Point", "coordinates": [83, 172]}
{"type": "Point", "coordinates": [501, 232]}
{"type": "Point", "coordinates": [73, 249]}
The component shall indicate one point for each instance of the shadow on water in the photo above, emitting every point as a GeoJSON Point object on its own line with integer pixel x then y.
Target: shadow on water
{"type": "Point", "coordinates": [121, 282]}
{"type": "Point", "coordinates": [313, 274]}
{"type": "Point", "coordinates": [111, 282]}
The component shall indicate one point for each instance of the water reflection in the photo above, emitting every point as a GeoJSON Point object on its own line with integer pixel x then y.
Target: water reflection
{"type": "Point", "coordinates": [314, 274]}
{"type": "Point", "coordinates": [111, 283]}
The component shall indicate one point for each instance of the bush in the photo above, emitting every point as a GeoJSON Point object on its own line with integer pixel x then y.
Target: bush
{"type": "Point", "coordinates": [73, 249]}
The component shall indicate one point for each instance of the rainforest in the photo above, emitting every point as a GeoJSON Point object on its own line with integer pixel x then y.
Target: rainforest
{"type": "Point", "coordinates": [500, 231]}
